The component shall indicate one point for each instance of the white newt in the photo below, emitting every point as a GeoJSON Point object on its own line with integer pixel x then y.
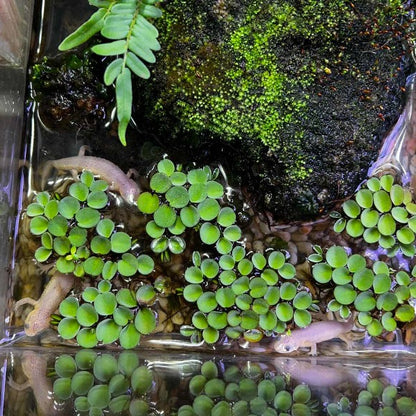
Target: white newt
{"type": "Point", "coordinates": [311, 335]}
{"type": "Point", "coordinates": [54, 293]}
{"type": "Point", "coordinates": [35, 368]}
{"type": "Point", "coordinates": [106, 170]}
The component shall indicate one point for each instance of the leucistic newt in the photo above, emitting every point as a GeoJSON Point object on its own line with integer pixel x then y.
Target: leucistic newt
{"type": "Point", "coordinates": [311, 335]}
{"type": "Point", "coordinates": [106, 170]}
{"type": "Point", "coordinates": [35, 368]}
{"type": "Point", "coordinates": [54, 293]}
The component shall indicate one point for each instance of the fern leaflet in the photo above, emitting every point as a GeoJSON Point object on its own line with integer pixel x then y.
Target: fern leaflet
{"type": "Point", "coordinates": [132, 40]}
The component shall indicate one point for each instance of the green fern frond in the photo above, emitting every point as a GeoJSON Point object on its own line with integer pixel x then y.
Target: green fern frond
{"type": "Point", "coordinates": [133, 39]}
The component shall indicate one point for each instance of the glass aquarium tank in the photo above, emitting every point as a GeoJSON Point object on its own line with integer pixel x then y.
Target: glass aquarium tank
{"type": "Point", "coordinates": [208, 208]}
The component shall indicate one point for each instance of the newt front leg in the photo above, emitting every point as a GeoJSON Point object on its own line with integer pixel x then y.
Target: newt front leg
{"type": "Point", "coordinates": [54, 293]}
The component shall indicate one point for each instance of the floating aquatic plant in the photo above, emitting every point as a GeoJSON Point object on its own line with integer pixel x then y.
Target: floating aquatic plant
{"type": "Point", "coordinates": [100, 382]}
{"type": "Point", "coordinates": [376, 397]}
{"type": "Point", "coordinates": [245, 296]}
{"type": "Point", "coordinates": [127, 24]}
{"type": "Point", "coordinates": [382, 213]}
{"type": "Point", "coordinates": [101, 316]}
{"type": "Point", "coordinates": [78, 238]}
{"type": "Point", "coordinates": [382, 296]}
{"type": "Point", "coordinates": [245, 391]}
{"type": "Point", "coordinates": [179, 201]}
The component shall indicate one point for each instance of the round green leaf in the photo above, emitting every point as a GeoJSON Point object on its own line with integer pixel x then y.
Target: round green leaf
{"type": "Point", "coordinates": [79, 191]}
{"type": "Point", "coordinates": [364, 198]}
{"type": "Point", "coordinates": [209, 268]}
{"type": "Point", "coordinates": [68, 307]}
{"type": "Point", "coordinates": [57, 226]}
{"type": "Point", "coordinates": [97, 199]}
{"type": "Point", "coordinates": [382, 201]}
{"type": "Point", "coordinates": [127, 266]}
{"type": "Point", "coordinates": [226, 217]}
{"type": "Point", "coordinates": [354, 228]}
{"type": "Point", "coordinates": [351, 208]}
{"type": "Point", "coordinates": [165, 216]}
{"type": "Point", "coordinates": [208, 209]}
{"type": "Point", "coordinates": [147, 203]}
{"type": "Point", "coordinates": [209, 233]}
{"type": "Point", "coordinates": [87, 315]}
{"type": "Point", "coordinates": [120, 242]}
{"type": "Point", "coordinates": [87, 217]}
{"type": "Point", "coordinates": [160, 183]}
{"type": "Point", "coordinates": [129, 337]}
{"type": "Point", "coordinates": [108, 331]}
{"type": "Point", "coordinates": [386, 225]}
{"type": "Point", "coordinates": [336, 256]}
{"type": "Point", "coordinates": [100, 245]}
{"type": "Point", "coordinates": [105, 303]}
{"type": "Point", "coordinates": [189, 216]}
{"type": "Point", "coordinates": [177, 196]}
{"type": "Point", "coordinates": [345, 294]}
{"type": "Point", "coordinates": [93, 265]}
{"type": "Point", "coordinates": [145, 321]}
{"type": "Point", "coordinates": [145, 264]}
{"type": "Point", "coordinates": [166, 166]}
{"type": "Point", "coordinates": [68, 328]}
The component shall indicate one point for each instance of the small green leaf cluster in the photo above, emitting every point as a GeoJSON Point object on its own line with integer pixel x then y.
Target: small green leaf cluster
{"type": "Point", "coordinates": [75, 235]}
{"type": "Point", "coordinates": [376, 397]}
{"type": "Point", "coordinates": [245, 391]}
{"type": "Point", "coordinates": [383, 213]}
{"type": "Point", "coordinates": [179, 201]}
{"type": "Point", "coordinates": [102, 316]}
{"type": "Point", "coordinates": [133, 38]}
{"type": "Point", "coordinates": [244, 296]}
{"type": "Point", "coordinates": [101, 383]}
{"type": "Point", "coordinates": [380, 296]}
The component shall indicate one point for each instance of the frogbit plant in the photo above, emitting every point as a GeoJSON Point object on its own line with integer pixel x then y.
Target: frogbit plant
{"type": "Point", "coordinates": [384, 298]}
{"type": "Point", "coordinates": [100, 382]}
{"type": "Point", "coordinates": [244, 295]}
{"type": "Point", "coordinates": [178, 201]}
{"type": "Point", "coordinates": [75, 234]}
{"type": "Point", "coordinates": [382, 213]}
{"type": "Point", "coordinates": [132, 39]}
{"type": "Point", "coordinates": [77, 239]}
{"type": "Point", "coordinates": [246, 391]}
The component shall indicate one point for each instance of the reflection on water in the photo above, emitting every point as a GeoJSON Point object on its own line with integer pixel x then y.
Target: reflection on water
{"type": "Point", "coordinates": [92, 382]}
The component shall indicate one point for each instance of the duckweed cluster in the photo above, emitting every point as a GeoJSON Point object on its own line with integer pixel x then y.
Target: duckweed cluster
{"type": "Point", "coordinates": [244, 295]}
{"type": "Point", "coordinates": [382, 213]}
{"type": "Point", "coordinates": [101, 383]}
{"type": "Point", "coordinates": [382, 296]}
{"type": "Point", "coordinates": [244, 391]}
{"type": "Point", "coordinates": [376, 399]}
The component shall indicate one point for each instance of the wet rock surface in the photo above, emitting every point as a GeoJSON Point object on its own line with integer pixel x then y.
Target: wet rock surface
{"type": "Point", "coordinates": [312, 98]}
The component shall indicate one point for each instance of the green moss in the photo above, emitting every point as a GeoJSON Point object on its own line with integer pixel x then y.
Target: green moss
{"type": "Point", "coordinates": [292, 88]}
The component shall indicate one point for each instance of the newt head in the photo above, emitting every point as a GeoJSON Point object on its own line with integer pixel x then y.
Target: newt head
{"type": "Point", "coordinates": [285, 344]}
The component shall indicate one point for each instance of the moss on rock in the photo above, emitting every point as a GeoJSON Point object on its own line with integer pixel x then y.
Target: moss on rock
{"type": "Point", "coordinates": [299, 91]}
